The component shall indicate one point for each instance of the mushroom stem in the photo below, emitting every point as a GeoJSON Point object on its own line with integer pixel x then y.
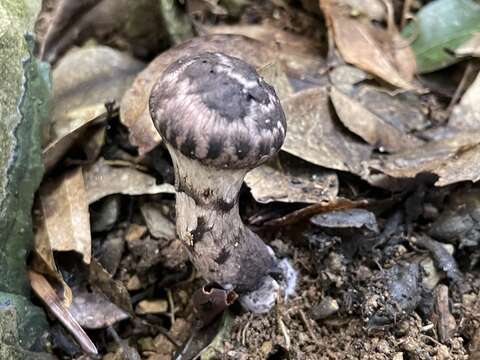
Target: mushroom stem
{"type": "Point", "coordinates": [221, 247]}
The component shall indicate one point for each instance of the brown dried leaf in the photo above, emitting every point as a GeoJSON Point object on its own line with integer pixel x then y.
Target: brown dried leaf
{"type": "Point", "coordinates": [452, 159]}
{"type": "Point", "coordinates": [114, 290]}
{"type": "Point", "coordinates": [383, 53]}
{"type": "Point", "coordinates": [292, 181]}
{"type": "Point", "coordinates": [275, 76]}
{"type": "Point", "coordinates": [300, 54]}
{"type": "Point", "coordinates": [65, 214]}
{"type": "Point", "coordinates": [134, 112]}
{"type": "Point", "coordinates": [370, 127]}
{"type": "Point", "coordinates": [313, 135]}
{"type": "Point", "coordinates": [463, 167]}
{"type": "Point", "coordinates": [47, 294]}
{"type": "Point", "coordinates": [102, 179]}
{"type": "Point", "coordinates": [136, 26]}
{"type": "Point", "coordinates": [83, 82]}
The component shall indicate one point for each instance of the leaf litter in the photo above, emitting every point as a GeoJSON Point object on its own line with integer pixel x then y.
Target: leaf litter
{"type": "Point", "coordinates": [347, 199]}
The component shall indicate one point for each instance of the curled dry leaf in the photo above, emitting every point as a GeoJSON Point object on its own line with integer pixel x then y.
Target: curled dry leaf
{"type": "Point", "coordinates": [370, 127]}
{"type": "Point", "coordinates": [452, 159]}
{"type": "Point", "coordinates": [314, 136]}
{"type": "Point", "coordinates": [102, 179]}
{"type": "Point", "coordinates": [65, 216]}
{"type": "Point", "coordinates": [383, 53]}
{"type": "Point", "coordinates": [134, 112]}
{"type": "Point", "coordinates": [292, 181]}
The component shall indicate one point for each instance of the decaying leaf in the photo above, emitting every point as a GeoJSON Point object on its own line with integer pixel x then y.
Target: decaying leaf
{"type": "Point", "coordinates": [114, 290]}
{"type": "Point", "coordinates": [84, 81]}
{"type": "Point", "coordinates": [65, 214]}
{"type": "Point", "coordinates": [275, 76]}
{"type": "Point", "coordinates": [301, 55]}
{"type": "Point", "coordinates": [292, 181]}
{"type": "Point", "coordinates": [403, 111]}
{"type": "Point", "coordinates": [439, 28]}
{"type": "Point", "coordinates": [47, 294]}
{"type": "Point", "coordinates": [314, 136]}
{"type": "Point", "coordinates": [383, 53]}
{"type": "Point", "coordinates": [137, 26]}
{"type": "Point", "coordinates": [93, 310]}
{"type": "Point", "coordinates": [448, 158]}
{"type": "Point", "coordinates": [134, 112]}
{"type": "Point", "coordinates": [466, 115]}
{"type": "Point", "coordinates": [102, 179]}
{"type": "Point", "coordinates": [370, 127]}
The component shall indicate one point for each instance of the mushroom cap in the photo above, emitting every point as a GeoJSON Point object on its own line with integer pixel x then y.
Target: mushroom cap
{"type": "Point", "coordinates": [216, 109]}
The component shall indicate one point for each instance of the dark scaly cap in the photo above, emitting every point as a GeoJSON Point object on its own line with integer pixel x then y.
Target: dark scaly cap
{"type": "Point", "coordinates": [215, 108]}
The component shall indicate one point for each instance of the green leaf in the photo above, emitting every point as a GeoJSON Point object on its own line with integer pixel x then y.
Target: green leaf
{"type": "Point", "coordinates": [440, 27]}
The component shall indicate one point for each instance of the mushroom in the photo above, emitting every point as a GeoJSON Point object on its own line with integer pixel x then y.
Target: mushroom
{"type": "Point", "coordinates": [218, 120]}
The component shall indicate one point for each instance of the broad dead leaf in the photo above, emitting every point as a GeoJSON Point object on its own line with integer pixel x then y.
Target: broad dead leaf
{"type": "Point", "coordinates": [47, 294]}
{"type": "Point", "coordinates": [65, 214]}
{"type": "Point", "coordinates": [102, 179]}
{"type": "Point", "coordinates": [93, 310]}
{"type": "Point", "coordinates": [83, 82]}
{"type": "Point", "coordinates": [314, 136]}
{"type": "Point", "coordinates": [134, 112]}
{"type": "Point", "coordinates": [292, 181]}
{"type": "Point", "coordinates": [453, 159]}
{"type": "Point", "coordinates": [383, 53]}
{"type": "Point", "coordinates": [370, 127]}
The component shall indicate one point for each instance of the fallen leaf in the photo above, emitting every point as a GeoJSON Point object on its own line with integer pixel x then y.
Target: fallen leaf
{"type": "Point", "coordinates": [404, 111]}
{"type": "Point", "coordinates": [448, 158]}
{"type": "Point", "coordinates": [134, 112]}
{"type": "Point", "coordinates": [292, 180]}
{"type": "Point", "coordinates": [439, 26]}
{"type": "Point", "coordinates": [84, 81]}
{"type": "Point", "coordinates": [313, 135]}
{"type": "Point", "coordinates": [65, 213]}
{"type": "Point", "coordinates": [383, 53]}
{"type": "Point", "coordinates": [370, 127]}
{"type": "Point", "coordinates": [102, 179]}
{"type": "Point", "coordinates": [466, 115]}
{"type": "Point", "coordinates": [274, 75]}
{"type": "Point", "coordinates": [100, 280]}
{"type": "Point", "coordinates": [301, 55]}
{"type": "Point", "coordinates": [93, 310]}
{"type": "Point", "coordinates": [463, 167]}
{"type": "Point", "coordinates": [46, 293]}
{"type": "Point", "coordinates": [137, 26]}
